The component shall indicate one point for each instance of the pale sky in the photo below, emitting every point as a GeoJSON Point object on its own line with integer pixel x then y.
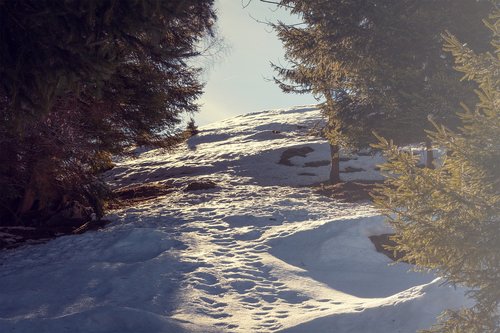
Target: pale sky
{"type": "Point", "coordinates": [238, 80]}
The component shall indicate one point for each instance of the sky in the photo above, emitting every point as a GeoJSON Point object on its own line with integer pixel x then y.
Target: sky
{"type": "Point", "coordinates": [238, 79]}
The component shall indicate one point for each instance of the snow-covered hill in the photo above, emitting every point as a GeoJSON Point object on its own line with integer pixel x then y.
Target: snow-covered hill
{"type": "Point", "coordinates": [256, 253]}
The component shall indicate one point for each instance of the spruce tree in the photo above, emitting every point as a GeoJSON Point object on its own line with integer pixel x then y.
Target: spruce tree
{"type": "Point", "coordinates": [192, 128]}
{"type": "Point", "coordinates": [378, 65]}
{"type": "Point", "coordinates": [447, 219]}
{"type": "Point", "coordinates": [82, 80]}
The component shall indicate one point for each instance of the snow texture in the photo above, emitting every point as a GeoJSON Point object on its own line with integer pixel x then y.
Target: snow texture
{"type": "Point", "coordinates": [258, 253]}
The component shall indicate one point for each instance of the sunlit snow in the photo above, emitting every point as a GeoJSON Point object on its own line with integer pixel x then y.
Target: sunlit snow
{"type": "Point", "coordinates": [259, 253]}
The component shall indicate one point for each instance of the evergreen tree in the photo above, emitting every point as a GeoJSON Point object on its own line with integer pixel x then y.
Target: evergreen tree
{"type": "Point", "coordinates": [377, 64]}
{"type": "Point", "coordinates": [192, 128]}
{"type": "Point", "coordinates": [447, 219]}
{"type": "Point", "coordinates": [85, 79]}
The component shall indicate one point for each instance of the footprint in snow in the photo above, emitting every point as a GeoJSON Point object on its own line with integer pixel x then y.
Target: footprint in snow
{"type": "Point", "coordinates": [212, 290]}
{"type": "Point", "coordinates": [206, 278]}
{"type": "Point", "coordinates": [292, 297]}
{"type": "Point", "coordinates": [242, 286]}
{"type": "Point", "coordinates": [236, 221]}
{"type": "Point", "coordinates": [250, 235]}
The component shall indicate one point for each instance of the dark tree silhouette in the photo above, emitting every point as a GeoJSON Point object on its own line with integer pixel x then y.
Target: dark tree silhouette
{"type": "Point", "coordinates": [82, 80]}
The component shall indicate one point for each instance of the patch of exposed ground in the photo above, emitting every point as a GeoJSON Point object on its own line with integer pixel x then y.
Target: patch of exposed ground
{"type": "Point", "coordinates": [351, 191]}
{"type": "Point", "coordinates": [317, 164]}
{"type": "Point", "coordinates": [350, 169]}
{"type": "Point", "coordinates": [129, 195]}
{"type": "Point", "coordinates": [200, 185]}
{"type": "Point", "coordinates": [12, 236]}
{"type": "Point", "coordinates": [15, 236]}
{"type": "Point", "coordinates": [293, 152]}
{"type": "Point", "coordinates": [385, 245]}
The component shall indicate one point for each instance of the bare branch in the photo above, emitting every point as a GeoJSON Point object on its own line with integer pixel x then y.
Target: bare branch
{"type": "Point", "coordinates": [245, 5]}
{"type": "Point", "coordinates": [276, 3]}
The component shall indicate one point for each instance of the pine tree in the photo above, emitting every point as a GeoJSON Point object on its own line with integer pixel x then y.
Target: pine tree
{"type": "Point", "coordinates": [447, 219]}
{"type": "Point", "coordinates": [378, 65]}
{"type": "Point", "coordinates": [85, 79]}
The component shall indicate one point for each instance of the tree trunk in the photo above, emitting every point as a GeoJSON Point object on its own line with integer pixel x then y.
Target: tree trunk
{"type": "Point", "coordinates": [29, 196]}
{"type": "Point", "coordinates": [429, 156]}
{"type": "Point", "coordinates": [27, 201]}
{"type": "Point", "coordinates": [335, 170]}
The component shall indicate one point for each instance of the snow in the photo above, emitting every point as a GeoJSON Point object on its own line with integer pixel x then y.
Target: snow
{"type": "Point", "coordinates": [261, 252]}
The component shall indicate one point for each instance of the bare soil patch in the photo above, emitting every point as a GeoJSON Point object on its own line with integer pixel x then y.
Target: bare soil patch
{"type": "Point", "coordinates": [352, 191]}
{"type": "Point", "coordinates": [200, 185]}
{"type": "Point", "coordinates": [316, 164]}
{"type": "Point", "coordinates": [350, 169]}
{"type": "Point", "coordinates": [384, 244]}
{"type": "Point", "coordinates": [132, 194]}
{"type": "Point", "coordinates": [293, 152]}
{"type": "Point", "coordinates": [15, 236]}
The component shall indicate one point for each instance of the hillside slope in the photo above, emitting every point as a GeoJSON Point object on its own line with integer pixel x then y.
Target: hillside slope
{"type": "Point", "coordinates": [252, 250]}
